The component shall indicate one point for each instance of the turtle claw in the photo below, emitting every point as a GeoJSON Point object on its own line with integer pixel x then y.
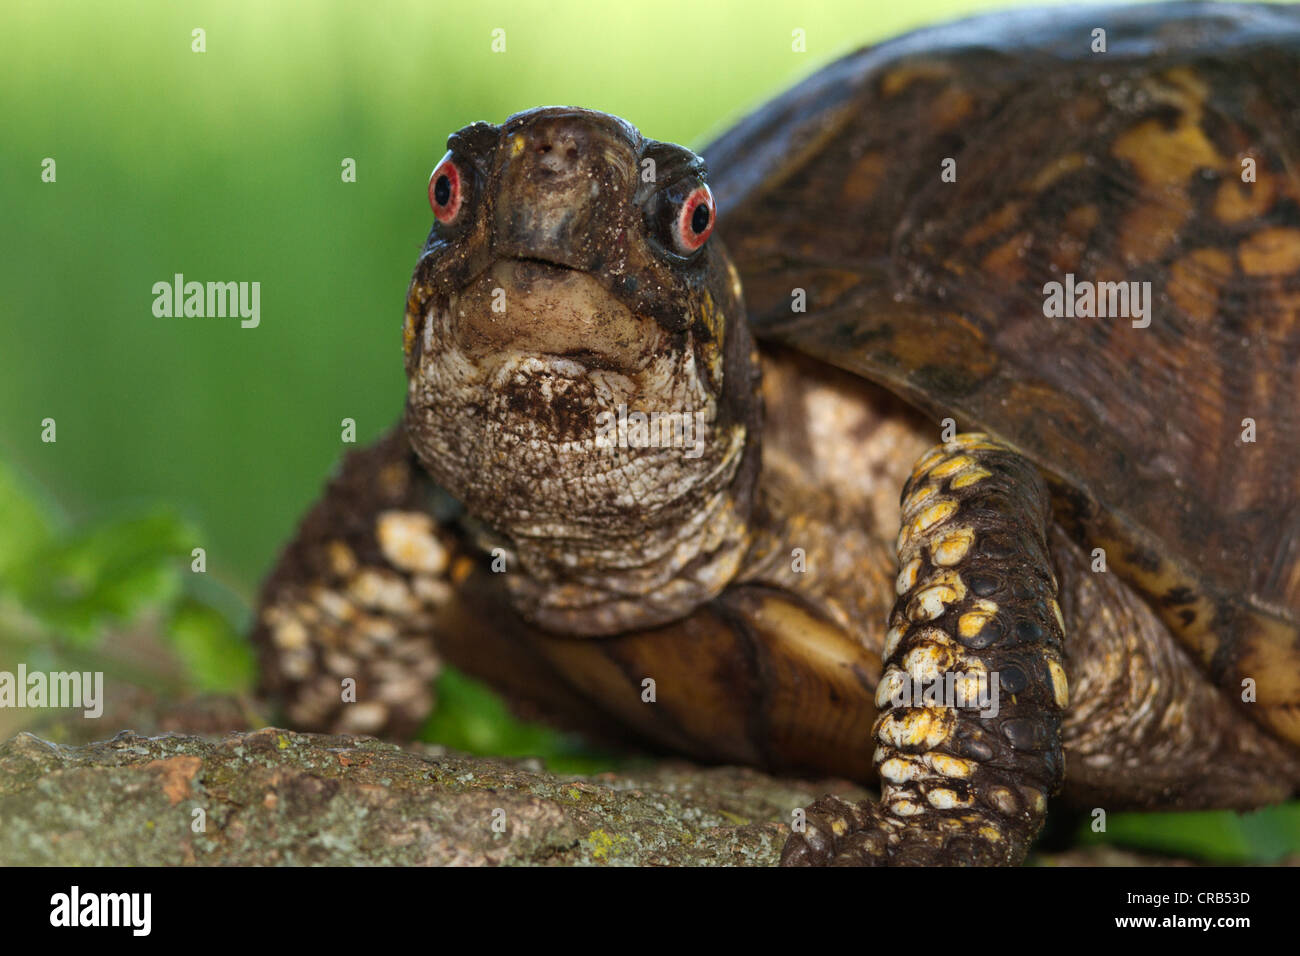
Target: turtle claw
{"type": "Point", "coordinates": [838, 833]}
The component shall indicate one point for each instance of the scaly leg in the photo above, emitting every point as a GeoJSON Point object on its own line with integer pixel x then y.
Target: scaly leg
{"type": "Point", "coordinates": [968, 741]}
{"type": "Point", "coordinates": [354, 598]}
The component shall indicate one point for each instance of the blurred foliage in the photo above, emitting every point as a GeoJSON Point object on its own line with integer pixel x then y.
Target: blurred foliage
{"type": "Point", "coordinates": [225, 166]}
{"type": "Point", "coordinates": [1265, 836]}
{"type": "Point", "coordinates": [68, 594]}
{"type": "Point", "coordinates": [472, 717]}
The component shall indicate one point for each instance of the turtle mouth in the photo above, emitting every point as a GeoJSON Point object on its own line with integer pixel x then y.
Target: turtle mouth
{"type": "Point", "coordinates": [529, 306]}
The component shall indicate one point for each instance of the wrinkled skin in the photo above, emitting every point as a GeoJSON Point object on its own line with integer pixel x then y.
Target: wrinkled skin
{"type": "Point", "coordinates": [770, 584]}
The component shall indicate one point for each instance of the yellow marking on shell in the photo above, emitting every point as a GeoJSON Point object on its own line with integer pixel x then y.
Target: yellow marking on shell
{"type": "Point", "coordinates": [999, 220]}
{"type": "Point", "coordinates": [970, 478]}
{"type": "Point", "coordinates": [1150, 228]}
{"type": "Point", "coordinates": [945, 799]}
{"type": "Point", "coordinates": [839, 826]}
{"type": "Point", "coordinates": [860, 185]}
{"type": "Point", "coordinates": [950, 766]}
{"type": "Point", "coordinates": [1008, 262]}
{"type": "Point", "coordinates": [900, 78]}
{"type": "Point", "coordinates": [1060, 686]}
{"type": "Point", "coordinates": [1058, 167]}
{"type": "Point", "coordinates": [1073, 239]}
{"type": "Point", "coordinates": [1037, 799]}
{"type": "Point", "coordinates": [949, 108]}
{"type": "Point", "coordinates": [952, 466]}
{"type": "Point", "coordinates": [907, 576]}
{"type": "Point", "coordinates": [1168, 156]}
{"type": "Point", "coordinates": [990, 834]}
{"type": "Point", "coordinates": [1236, 201]}
{"type": "Point", "coordinates": [1196, 281]}
{"type": "Point", "coordinates": [517, 144]}
{"type": "Point", "coordinates": [952, 547]}
{"type": "Point", "coordinates": [923, 728]}
{"type": "Point", "coordinates": [1270, 252]}
{"type": "Point", "coordinates": [408, 541]}
{"type": "Point", "coordinates": [1056, 611]}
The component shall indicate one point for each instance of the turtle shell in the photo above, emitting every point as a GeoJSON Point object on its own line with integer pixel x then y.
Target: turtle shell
{"type": "Point", "coordinates": [925, 193]}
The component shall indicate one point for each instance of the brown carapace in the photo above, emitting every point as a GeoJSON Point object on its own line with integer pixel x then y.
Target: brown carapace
{"type": "Point", "coordinates": [639, 512]}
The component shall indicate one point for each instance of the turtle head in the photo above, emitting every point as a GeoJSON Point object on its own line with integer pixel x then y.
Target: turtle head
{"type": "Point", "coordinates": [581, 376]}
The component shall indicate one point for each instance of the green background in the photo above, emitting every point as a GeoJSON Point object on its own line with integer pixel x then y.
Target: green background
{"type": "Point", "coordinates": [225, 166]}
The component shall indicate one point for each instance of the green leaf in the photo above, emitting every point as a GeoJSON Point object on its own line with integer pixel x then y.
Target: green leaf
{"type": "Point", "coordinates": [109, 574]}
{"type": "Point", "coordinates": [472, 717]}
{"type": "Point", "coordinates": [1217, 836]}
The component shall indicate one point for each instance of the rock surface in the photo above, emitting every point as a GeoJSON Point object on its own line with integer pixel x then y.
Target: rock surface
{"type": "Point", "coordinates": [70, 797]}
{"type": "Point", "coordinates": [278, 797]}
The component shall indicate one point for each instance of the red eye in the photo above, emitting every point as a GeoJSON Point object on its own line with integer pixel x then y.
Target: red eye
{"type": "Point", "coordinates": [445, 190]}
{"type": "Point", "coordinates": [695, 222]}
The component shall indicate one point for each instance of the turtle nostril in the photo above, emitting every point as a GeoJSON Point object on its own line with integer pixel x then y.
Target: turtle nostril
{"type": "Point", "coordinates": [557, 149]}
{"type": "Point", "coordinates": [554, 160]}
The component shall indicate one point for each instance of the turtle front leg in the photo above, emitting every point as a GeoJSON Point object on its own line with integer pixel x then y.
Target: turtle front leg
{"type": "Point", "coordinates": [968, 742]}
{"type": "Point", "coordinates": [345, 623]}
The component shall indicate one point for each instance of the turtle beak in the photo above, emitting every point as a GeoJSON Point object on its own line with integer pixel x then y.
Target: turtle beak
{"type": "Point", "coordinates": [553, 311]}
{"type": "Point", "coordinates": [562, 176]}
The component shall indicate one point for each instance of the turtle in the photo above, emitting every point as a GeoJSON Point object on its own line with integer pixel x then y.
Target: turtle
{"type": "Point", "coordinates": [968, 466]}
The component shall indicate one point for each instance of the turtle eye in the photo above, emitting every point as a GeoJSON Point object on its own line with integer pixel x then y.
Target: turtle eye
{"type": "Point", "coordinates": [695, 220]}
{"type": "Point", "coordinates": [680, 217]}
{"type": "Point", "coordinates": [446, 190]}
